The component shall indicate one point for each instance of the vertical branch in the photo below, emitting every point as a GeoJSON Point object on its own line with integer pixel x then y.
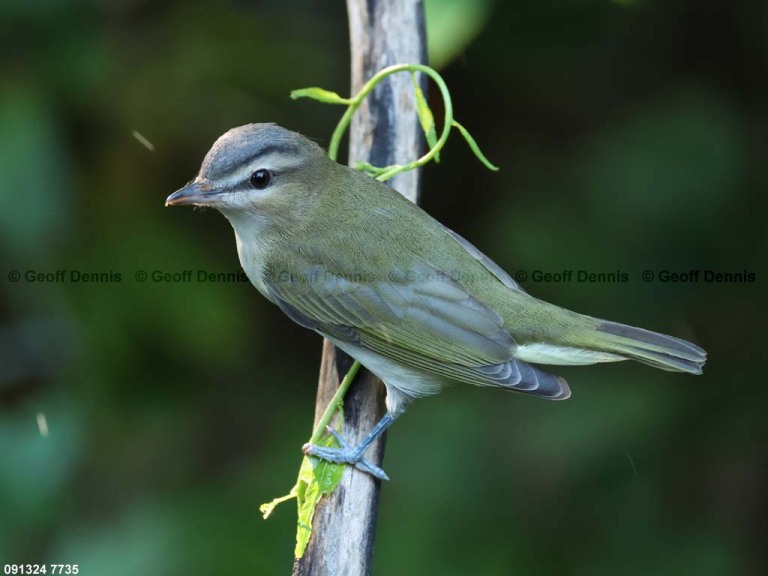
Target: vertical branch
{"type": "Point", "coordinates": [385, 131]}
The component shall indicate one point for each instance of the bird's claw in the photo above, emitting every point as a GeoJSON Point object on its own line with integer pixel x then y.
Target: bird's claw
{"type": "Point", "coordinates": [343, 455]}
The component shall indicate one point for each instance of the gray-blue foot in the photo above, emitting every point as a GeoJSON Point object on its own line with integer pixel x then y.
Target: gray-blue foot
{"type": "Point", "coordinates": [344, 455]}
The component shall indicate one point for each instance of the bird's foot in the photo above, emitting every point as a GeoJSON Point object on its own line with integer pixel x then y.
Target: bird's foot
{"type": "Point", "coordinates": [344, 455]}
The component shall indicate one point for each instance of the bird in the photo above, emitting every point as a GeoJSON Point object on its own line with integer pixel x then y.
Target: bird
{"type": "Point", "coordinates": [415, 303]}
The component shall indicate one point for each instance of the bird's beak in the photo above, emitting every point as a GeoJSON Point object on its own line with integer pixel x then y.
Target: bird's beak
{"type": "Point", "coordinates": [197, 193]}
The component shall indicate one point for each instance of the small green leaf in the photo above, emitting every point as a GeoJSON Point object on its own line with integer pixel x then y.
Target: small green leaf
{"type": "Point", "coordinates": [474, 147]}
{"type": "Point", "coordinates": [316, 479]}
{"type": "Point", "coordinates": [426, 118]}
{"type": "Point", "coordinates": [321, 95]}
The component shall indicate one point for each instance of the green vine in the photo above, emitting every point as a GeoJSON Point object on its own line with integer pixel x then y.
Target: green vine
{"type": "Point", "coordinates": [425, 116]}
{"type": "Point", "coordinates": [318, 477]}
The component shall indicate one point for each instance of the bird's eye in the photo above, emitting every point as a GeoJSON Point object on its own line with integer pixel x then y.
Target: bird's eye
{"type": "Point", "coordinates": [260, 179]}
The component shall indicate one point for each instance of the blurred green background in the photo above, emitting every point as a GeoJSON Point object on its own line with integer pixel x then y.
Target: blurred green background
{"type": "Point", "coordinates": [631, 136]}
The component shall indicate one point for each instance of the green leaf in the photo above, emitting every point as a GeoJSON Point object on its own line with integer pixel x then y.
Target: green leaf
{"type": "Point", "coordinates": [321, 95]}
{"type": "Point", "coordinates": [426, 118]}
{"type": "Point", "coordinates": [316, 479]}
{"type": "Point", "coordinates": [474, 147]}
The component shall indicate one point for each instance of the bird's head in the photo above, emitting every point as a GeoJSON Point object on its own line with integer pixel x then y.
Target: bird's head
{"type": "Point", "coordinates": [257, 171]}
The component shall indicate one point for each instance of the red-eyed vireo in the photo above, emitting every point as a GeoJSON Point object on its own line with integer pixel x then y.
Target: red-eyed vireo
{"type": "Point", "coordinates": [419, 306]}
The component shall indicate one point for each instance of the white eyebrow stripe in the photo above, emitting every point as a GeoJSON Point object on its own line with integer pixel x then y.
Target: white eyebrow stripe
{"type": "Point", "coordinates": [272, 161]}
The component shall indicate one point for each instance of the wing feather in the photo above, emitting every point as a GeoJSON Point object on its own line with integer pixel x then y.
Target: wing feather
{"type": "Point", "coordinates": [427, 312]}
{"type": "Point", "coordinates": [426, 320]}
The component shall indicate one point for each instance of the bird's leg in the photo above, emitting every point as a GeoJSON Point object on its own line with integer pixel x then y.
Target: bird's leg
{"type": "Point", "coordinates": [354, 456]}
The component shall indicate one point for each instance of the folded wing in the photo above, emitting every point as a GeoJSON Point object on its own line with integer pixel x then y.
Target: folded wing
{"type": "Point", "coordinates": [421, 318]}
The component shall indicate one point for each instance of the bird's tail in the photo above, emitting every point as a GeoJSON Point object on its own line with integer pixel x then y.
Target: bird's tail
{"type": "Point", "coordinates": [652, 348]}
{"type": "Point", "coordinates": [582, 339]}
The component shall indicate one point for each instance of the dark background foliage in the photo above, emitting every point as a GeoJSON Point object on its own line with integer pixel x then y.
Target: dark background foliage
{"type": "Point", "coordinates": [631, 137]}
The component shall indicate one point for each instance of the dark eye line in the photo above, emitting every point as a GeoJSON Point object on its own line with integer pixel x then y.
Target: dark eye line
{"type": "Point", "coordinates": [245, 185]}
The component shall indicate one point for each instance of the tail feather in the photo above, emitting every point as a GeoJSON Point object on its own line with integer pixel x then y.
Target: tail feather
{"type": "Point", "coordinates": [652, 348]}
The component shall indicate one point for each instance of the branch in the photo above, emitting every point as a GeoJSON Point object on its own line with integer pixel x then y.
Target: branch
{"type": "Point", "coordinates": [385, 131]}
